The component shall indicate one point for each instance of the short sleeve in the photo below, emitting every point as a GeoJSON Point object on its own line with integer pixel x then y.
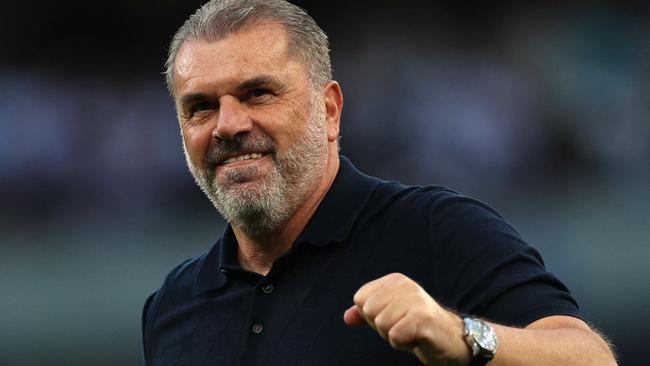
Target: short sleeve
{"type": "Point", "coordinates": [484, 268]}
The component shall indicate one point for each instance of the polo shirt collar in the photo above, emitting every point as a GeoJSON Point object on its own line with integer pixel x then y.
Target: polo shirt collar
{"type": "Point", "coordinates": [331, 223]}
{"type": "Point", "coordinates": [212, 268]}
{"type": "Point", "coordinates": [339, 209]}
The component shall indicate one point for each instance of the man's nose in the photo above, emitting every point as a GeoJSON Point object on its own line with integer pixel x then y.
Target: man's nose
{"type": "Point", "coordinates": [233, 119]}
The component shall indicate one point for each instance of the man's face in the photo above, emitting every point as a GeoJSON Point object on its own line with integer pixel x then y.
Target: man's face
{"type": "Point", "coordinates": [254, 133]}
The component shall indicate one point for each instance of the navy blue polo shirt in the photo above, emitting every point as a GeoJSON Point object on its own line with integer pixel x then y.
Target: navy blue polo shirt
{"type": "Point", "coordinates": [210, 311]}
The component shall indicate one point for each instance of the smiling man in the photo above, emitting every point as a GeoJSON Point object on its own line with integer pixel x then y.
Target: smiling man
{"type": "Point", "coordinates": [321, 264]}
{"type": "Point", "coordinates": [259, 139]}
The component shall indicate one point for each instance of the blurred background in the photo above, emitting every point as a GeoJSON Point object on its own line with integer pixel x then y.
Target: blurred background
{"type": "Point", "coordinates": [540, 109]}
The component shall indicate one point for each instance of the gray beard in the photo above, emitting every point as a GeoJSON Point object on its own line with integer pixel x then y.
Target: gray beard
{"type": "Point", "coordinates": [260, 211]}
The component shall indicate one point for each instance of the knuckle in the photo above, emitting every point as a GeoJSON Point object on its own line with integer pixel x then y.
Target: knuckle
{"type": "Point", "coordinates": [412, 285]}
{"type": "Point", "coordinates": [395, 335]}
{"type": "Point", "coordinates": [369, 309]}
{"type": "Point", "coordinates": [382, 323]}
{"type": "Point", "coordinates": [404, 282]}
{"type": "Point", "coordinates": [398, 338]}
{"type": "Point", "coordinates": [397, 277]}
{"type": "Point", "coordinates": [357, 298]}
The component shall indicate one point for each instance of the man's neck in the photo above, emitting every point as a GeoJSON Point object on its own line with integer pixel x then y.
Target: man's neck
{"type": "Point", "coordinates": [258, 254]}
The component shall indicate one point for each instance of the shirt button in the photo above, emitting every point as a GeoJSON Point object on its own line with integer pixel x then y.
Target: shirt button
{"type": "Point", "coordinates": [267, 289]}
{"type": "Point", "coordinates": [257, 328]}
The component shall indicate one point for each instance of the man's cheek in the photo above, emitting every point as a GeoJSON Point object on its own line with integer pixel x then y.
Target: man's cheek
{"type": "Point", "coordinates": [197, 148]}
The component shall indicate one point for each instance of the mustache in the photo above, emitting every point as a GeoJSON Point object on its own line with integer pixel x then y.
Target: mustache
{"type": "Point", "coordinates": [220, 150]}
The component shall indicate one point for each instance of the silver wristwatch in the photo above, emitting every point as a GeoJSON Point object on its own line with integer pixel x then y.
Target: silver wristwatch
{"type": "Point", "coordinates": [482, 340]}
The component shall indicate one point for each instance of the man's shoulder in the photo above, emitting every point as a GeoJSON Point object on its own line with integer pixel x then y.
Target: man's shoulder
{"type": "Point", "coordinates": [432, 200]}
{"type": "Point", "coordinates": [182, 277]}
{"type": "Point", "coordinates": [435, 214]}
{"type": "Point", "coordinates": [178, 284]}
{"type": "Point", "coordinates": [185, 270]}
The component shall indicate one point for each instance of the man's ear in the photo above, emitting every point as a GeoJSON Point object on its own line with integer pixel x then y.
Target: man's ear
{"type": "Point", "coordinates": [333, 97]}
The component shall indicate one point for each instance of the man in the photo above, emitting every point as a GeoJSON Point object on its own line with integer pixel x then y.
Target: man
{"type": "Point", "coordinates": [320, 264]}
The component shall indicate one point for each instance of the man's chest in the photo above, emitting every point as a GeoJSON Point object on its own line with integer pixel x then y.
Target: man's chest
{"type": "Point", "coordinates": [293, 316]}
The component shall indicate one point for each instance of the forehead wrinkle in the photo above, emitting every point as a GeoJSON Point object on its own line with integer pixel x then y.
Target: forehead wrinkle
{"type": "Point", "coordinates": [196, 73]}
{"type": "Point", "coordinates": [273, 36]}
{"type": "Point", "coordinates": [218, 67]}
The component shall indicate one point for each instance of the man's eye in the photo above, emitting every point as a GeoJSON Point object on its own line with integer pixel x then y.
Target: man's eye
{"type": "Point", "coordinates": [256, 93]}
{"type": "Point", "coordinates": [202, 106]}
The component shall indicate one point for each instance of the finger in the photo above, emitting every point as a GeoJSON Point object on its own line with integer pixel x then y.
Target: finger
{"type": "Point", "coordinates": [390, 315]}
{"type": "Point", "coordinates": [405, 303]}
{"type": "Point", "coordinates": [403, 335]}
{"type": "Point", "coordinates": [378, 302]}
{"type": "Point", "coordinates": [368, 289]}
{"type": "Point", "coordinates": [353, 317]}
{"type": "Point", "coordinates": [362, 295]}
{"type": "Point", "coordinates": [410, 334]}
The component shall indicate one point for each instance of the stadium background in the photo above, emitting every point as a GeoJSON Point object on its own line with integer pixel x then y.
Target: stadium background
{"type": "Point", "coordinates": [541, 110]}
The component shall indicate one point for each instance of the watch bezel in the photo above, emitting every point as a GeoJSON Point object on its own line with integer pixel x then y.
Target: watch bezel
{"type": "Point", "coordinates": [474, 342]}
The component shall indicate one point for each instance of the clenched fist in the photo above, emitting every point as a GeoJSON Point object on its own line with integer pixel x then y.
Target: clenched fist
{"type": "Point", "coordinates": [411, 320]}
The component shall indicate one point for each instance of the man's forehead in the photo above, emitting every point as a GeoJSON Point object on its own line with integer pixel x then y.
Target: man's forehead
{"type": "Point", "coordinates": [251, 50]}
{"type": "Point", "coordinates": [252, 43]}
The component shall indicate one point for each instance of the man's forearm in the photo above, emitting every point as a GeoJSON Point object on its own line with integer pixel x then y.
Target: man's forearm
{"type": "Point", "coordinates": [544, 343]}
{"type": "Point", "coordinates": [410, 320]}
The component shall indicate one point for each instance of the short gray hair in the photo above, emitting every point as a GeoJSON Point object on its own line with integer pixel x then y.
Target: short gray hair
{"type": "Point", "coordinates": [218, 18]}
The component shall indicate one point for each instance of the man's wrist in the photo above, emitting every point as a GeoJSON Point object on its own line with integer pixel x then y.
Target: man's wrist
{"type": "Point", "coordinates": [481, 339]}
{"type": "Point", "coordinates": [463, 354]}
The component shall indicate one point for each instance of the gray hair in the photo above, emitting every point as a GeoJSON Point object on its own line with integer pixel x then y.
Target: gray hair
{"type": "Point", "coordinates": [218, 18]}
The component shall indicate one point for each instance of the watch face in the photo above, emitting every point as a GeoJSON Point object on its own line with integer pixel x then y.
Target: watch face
{"type": "Point", "coordinates": [484, 335]}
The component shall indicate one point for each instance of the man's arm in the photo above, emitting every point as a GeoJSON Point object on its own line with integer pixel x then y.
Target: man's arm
{"type": "Point", "coordinates": [553, 340]}
{"type": "Point", "coordinates": [411, 320]}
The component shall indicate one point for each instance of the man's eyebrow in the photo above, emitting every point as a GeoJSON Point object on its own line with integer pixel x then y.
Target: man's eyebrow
{"type": "Point", "coordinates": [258, 82]}
{"type": "Point", "coordinates": [191, 98]}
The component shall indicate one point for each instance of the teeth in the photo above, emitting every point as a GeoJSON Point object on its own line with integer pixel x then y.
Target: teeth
{"type": "Point", "coordinates": [253, 156]}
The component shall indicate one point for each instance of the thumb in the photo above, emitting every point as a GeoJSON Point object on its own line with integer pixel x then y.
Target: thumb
{"type": "Point", "coordinates": [352, 317]}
